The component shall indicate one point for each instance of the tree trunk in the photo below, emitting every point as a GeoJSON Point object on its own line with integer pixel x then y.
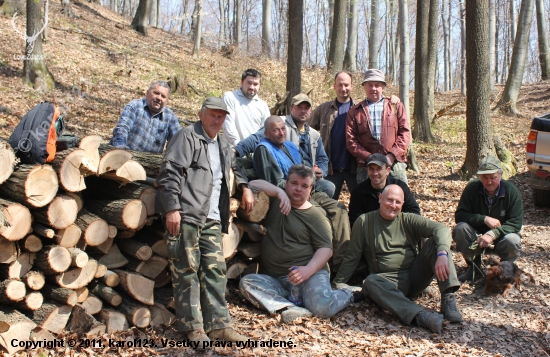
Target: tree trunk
{"type": "Point", "coordinates": [124, 214]}
{"type": "Point", "coordinates": [151, 162]}
{"type": "Point", "coordinates": [106, 293]}
{"type": "Point", "coordinates": [258, 213]}
{"type": "Point", "coordinates": [43, 231]}
{"type": "Point", "coordinates": [266, 27]}
{"type": "Point", "coordinates": [433, 37]}
{"type": "Point", "coordinates": [235, 270]}
{"type": "Point", "coordinates": [52, 316]}
{"type": "Point", "coordinates": [421, 128]}
{"type": "Point", "coordinates": [141, 18]}
{"type": "Point", "coordinates": [32, 301]}
{"type": "Point", "coordinates": [82, 294]}
{"type": "Point", "coordinates": [7, 160]}
{"type": "Point", "coordinates": [92, 304]}
{"type": "Point", "coordinates": [35, 72]}
{"type": "Point", "coordinates": [8, 251]}
{"type": "Point", "coordinates": [114, 259]}
{"type": "Point", "coordinates": [137, 314]}
{"type": "Point", "coordinates": [59, 214]}
{"type": "Point", "coordinates": [295, 47]}
{"type": "Point", "coordinates": [231, 241]}
{"type": "Point", "coordinates": [79, 258]}
{"type": "Point", "coordinates": [14, 326]}
{"type": "Point", "coordinates": [82, 323]}
{"type": "Point", "coordinates": [133, 190]}
{"type": "Point", "coordinates": [198, 30]}
{"type": "Point", "coordinates": [114, 321]}
{"type": "Point", "coordinates": [111, 158]}
{"type": "Point", "coordinates": [69, 236]}
{"type": "Point", "coordinates": [150, 268]}
{"type": "Point", "coordinates": [34, 280]}
{"type": "Point", "coordinates": [374, 34]}
{"type": "Point", "coordinates": [492, 34]}
{"type": "Point", "coordinates": [32, 185]}
{"type": "Point", "coordinates": [100, 271]}
{"type": "Point", "coordinates": [544, 52]}
{"type": "Point", "coordinates": [238, 22]}
{"type": "Point", "coordinates": [62, 295]}
{"type": "Point", "coordinates": [19, 219]}
{"type": "Point", "coordinates": [31, 243]}
{"type": "Point", "coordinates": [223, 20]}
{"type": "Point", "coordinates": [53, 259]}
{"type": "Point", "coordinates": [137, 286]}
{"type": "Point", "coordinates": [129, 171]}
{"type": "Point", "coordinates": [161, 316]}
{"type": "Point", "coordinates": [446, 44]}
{"type": "Point", "coordinates": [350, 58]}
{"type": "Point", "coordinates": [478, 131]}
{"type": "Point", "coordinates": [72, 166]}
{"type": "Point", "coordinates": [462, 47]}
{"type": "Point", "coordinates": [95, 230]}
{"type": "Point", "coordinates": [513, 20]}
{"type": "Point", "coordinates": [507, 103]}
{"type": "Point", "coordinates": [17, 269]}
{"type": "Point", "coordinates": [110, 278]}
{"type": "Point", "coordinates": [138, 250]}
{"type": "Point", "coordinates": [77, 278]}
{"type": "Point", "coordinates": [90, 145]}
{"type": "Point", "coordinates": [335, 60]}
{"type": "Point", "coordinates": [12, 290]}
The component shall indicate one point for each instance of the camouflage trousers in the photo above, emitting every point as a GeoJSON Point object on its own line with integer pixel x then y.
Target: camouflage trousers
{"type": "Point", "coordinates": [338, 218]}
{"type": "Point", "coordinates": [268, 293]}
{"type": "Point", "coordinates": [198, 277]}
{"type": "Point", "coordinates": [398, 170]}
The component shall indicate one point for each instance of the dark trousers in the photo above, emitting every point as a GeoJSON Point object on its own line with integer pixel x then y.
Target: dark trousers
{"type": "Point", "coordinates": [338, 177]}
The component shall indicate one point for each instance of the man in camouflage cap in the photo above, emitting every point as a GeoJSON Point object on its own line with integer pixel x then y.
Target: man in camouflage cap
{"type": "Point", "coordinates": [193, 198]}
{"type": "Point", "coordinates": [294, 253]}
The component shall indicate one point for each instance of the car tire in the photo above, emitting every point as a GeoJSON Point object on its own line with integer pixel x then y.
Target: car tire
{"type": "Point", "coordinates": [541, 198]}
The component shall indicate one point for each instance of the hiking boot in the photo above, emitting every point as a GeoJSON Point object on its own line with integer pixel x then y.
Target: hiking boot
{"type": "Point", "coordinates": [200, 337]}
{"type": "Point", "coordinates": [357, 296]}
{"type": "Point", "coordinates": [449, 309]}
{"type": "Point", "coordinates": [226, 334]}
{"type": "Point", "coordinates": [294, 312]}
{"type": "Point", "coordinates": [430, 320]}
{"type": "Point", "coordinates": [469, 274]}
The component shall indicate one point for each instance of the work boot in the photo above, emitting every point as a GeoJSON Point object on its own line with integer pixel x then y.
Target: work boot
{"type": "Point", "coordinates": [469, 274]}
{"type": "Point", "coordinates": [357, 296]}
{"type": "Point", "coordinates": [294, 312]}
{"type": "Point", "coordinates": [199, 336]}
{"type": "Point", "coordinates": [449, 309]}
{"type": "Point", "coordinates": [430, 320]}
{"type": "Point", "coordinates": [226, 334]}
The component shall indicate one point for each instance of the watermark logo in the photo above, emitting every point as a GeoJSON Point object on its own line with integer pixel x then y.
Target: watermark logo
{"type": "Point", "coordinates": [29, 40]}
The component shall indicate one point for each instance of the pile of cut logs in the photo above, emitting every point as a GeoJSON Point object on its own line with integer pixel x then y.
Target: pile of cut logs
{"type": "Point", "coordinates": [82, 249]}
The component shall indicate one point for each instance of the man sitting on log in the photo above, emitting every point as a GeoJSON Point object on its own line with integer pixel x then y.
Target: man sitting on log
{"type": "Point", "coordinates": [294, 254]}
{"type": "Point", "coordinates": [272, 159]}
{"type": "Point", "coordinates": [193, 198]}
{"type": "Point", "coordinates": [388, 241]}
{"type": "Point", "coordinates": [146, 124]}
{"type": "Point", "coordinates": [299, 132]}
{"type": "Point", "coordinates": [365, 197]}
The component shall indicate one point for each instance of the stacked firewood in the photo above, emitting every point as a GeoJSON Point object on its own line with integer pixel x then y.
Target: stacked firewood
{"type": "Point", "coordinates": [82, 248]}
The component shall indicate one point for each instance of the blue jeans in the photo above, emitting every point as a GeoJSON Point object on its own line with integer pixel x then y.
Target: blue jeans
{"type": "Point", "coordinates": [325, 186]}
{"type": "Point", "coordinates": [269, 293]}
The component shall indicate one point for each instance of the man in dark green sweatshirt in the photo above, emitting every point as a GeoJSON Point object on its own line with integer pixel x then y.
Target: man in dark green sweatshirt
{"type": "Point", "coordinates": [489, 213]}
{"type": "Point", "coordinates": [388, 240]}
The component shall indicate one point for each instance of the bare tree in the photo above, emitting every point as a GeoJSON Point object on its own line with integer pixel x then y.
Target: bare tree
{"type": "Point", "coordinates": [544, 52]}
{"type": "Point", "coordinates": [478, 130]}
{"type": "Point", "coordinates": [421, 129]}
{"type": "Point", "coordinates": [350, 58]}
{"type": "Point", "coordinates": [492, 42]}
{"type": "Point", "coordinates": [141, 18]}
{"type": "Point", "coordinates": [295, 46]}
{"type": "Point", "coordinates": [35, 72]}
{"type": "Point", "coordinates": [238, 22]}
{"type": "Point", "coordinates": [462, 48]}
{"type": "Point", "coordinates": [433, 38]}
{"type": "Point", "coordinates": [198, 30]}
{"type": "Point", "coordinates": [446, 45]}
{"type": "Point", "coordinates": [221, 39]}
{"type": "Point", "coordinates": [513, 20]}
{"type": "Point", "coordinates": [266, 27]}
{"type": "Point", "coordinates": [510, 95]}
{"type": "Point", "coordinates": [157, 18]}
{"type": "Point", "coordinates": [374, 35]}
{"type": "Point", "coordinates": [338, 37]}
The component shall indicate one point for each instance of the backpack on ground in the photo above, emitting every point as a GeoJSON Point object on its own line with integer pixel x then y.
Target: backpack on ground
{"type": "Point", "coordinates": [34, 138]}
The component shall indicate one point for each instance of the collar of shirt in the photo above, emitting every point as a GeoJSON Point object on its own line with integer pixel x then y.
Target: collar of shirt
{"type": "Point", "coordinates": [145, 106]}
{"type": "Point", "coordinates": [371, 102]}
{"type": "Point", "coordinates": [207, 137]}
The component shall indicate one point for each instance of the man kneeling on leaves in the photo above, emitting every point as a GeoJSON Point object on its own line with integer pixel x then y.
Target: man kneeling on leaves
{"type": "Point", "coordinates": [294, 254]}
{"type": "Point", "coordinates": [388, 240]}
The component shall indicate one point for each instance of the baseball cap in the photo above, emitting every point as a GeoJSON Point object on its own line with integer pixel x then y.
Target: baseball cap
{"type": "Point", "coordinates": [377, 159]}
{"type": "Point", "coordinates": [215, 103]}
{"type": "Point", "coordinates": [300, 98]}
{"type": "Point", "coordinates": [374, 75]}
{"type": "Point", "coordinates": [489, 165]}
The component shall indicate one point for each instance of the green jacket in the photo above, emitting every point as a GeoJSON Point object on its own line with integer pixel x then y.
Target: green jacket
{"type": "Point", "coordinates": [508, 208]}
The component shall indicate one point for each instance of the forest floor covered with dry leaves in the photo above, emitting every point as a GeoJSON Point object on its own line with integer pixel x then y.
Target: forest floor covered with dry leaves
{"type": "Point", "coordinates": [100, 64]}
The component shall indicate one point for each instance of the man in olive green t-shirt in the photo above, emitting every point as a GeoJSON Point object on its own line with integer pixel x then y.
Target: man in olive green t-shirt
{"type": "Point", "coordinates": [294, 253]}
{"type": "Point", "coordinates": [388, 240]}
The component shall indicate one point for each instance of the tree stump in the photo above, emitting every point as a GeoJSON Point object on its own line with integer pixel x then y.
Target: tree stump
{"type": "Point", "coordinates": [130, 171]}
{"type": "Point", "coordinates": [32, 185]}
{"type": "Point", "coordinates": [77, 196]}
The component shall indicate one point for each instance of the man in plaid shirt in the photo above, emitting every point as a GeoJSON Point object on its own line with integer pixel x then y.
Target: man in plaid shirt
{"type": "Point", "coordinates": [375, 125]}
{"type": "Point", "coordinates": [146, 124]}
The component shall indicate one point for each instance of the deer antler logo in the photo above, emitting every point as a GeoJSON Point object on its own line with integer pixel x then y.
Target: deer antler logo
{"type": "Point", "coordinates": [30, 39]}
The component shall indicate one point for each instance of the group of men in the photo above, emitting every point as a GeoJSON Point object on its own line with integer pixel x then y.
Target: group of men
{"type": "Point", "coordinates": [302, 161]}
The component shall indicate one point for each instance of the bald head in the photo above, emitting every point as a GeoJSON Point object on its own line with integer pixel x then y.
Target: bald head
{"type": "Point", "coordinates": [343, 86]}
{"type": "Point", "coordinates": [275, 130]}
{"type": "Point", "coordinates": [391, 201]}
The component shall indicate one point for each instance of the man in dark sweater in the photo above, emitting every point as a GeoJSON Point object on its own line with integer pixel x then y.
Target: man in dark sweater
{"type": "Point", "coordinates": [489, 213]}
{"type": "Point", "coordinates": [364, 198]}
